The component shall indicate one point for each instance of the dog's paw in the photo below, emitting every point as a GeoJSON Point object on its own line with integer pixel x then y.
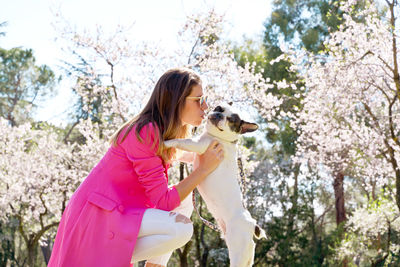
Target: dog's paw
{"type": "Point", "coordinates": [171, 143]}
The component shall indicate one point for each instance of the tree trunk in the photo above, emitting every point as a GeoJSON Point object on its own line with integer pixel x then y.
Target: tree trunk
{"type": "Point", "coordinates": [204, 255]}
{"type": "Point", "coordinates": [183, 254]}
{"type": "Point", "coordinates": [339, 204]}
{"type": "Point", "coordinates": [46, 251]}
{"type": "Point", "coordinates": [396, 79]}
{"type": "Point", "coordinates": [294, 199]}
{"type": "Point", "coordinates": [398, 188]}
{"type": "Point", "coordinates": [202, 248]}
{"type": "Point", "coordinates": [32, 249]}
{"type": "Point", "coordinates": [339, 198]}
{"type": "Point", "coordinates": [197, 241]}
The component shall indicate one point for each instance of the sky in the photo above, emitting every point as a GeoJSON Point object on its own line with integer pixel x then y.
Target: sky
{"type": "Point", "coordinates": [29, 25]}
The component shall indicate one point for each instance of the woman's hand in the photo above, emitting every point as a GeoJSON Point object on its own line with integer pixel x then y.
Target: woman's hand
{"type": "Point", "coordinates": [209, 160]}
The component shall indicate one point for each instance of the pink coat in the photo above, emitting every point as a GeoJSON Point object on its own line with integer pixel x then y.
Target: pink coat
{"type": "Point", "coordinates": [100, 224]}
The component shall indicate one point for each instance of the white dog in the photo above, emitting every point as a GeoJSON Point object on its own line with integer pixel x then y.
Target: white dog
{"type": "Point", "coordinates": [220, 190]}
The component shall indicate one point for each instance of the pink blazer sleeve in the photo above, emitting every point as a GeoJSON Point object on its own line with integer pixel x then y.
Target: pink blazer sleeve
{"type": "Point", "coordinates": [149, 168]}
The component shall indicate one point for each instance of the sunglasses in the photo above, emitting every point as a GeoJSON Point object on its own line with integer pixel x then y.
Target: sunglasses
{"type": "Point", "coordinates": [202, 99]}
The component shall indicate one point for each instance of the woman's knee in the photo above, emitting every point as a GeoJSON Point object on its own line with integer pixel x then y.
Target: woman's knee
{"type": "Point", "coordinates": [186, 232]}
{"type": "Point", "coordinates": [184, 228]}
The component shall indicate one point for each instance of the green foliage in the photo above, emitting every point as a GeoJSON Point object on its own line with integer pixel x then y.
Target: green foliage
{"type": "Point", "coordinates": [281, 135]}
{"type": "Point", "coordinates": [90, 107]}
{"type": "Point", "coordinates": [302, 23]}
{"type": "Point", "coordinates": [22, 84]}
{"type": "Point", "coordinates": [250, 142]}
{"type": "Point", "coordinates": [252, 52]}
{"type": "Point", "coordinates": [296, 236]}
{"type": "Point", "coordinates": [7, 236]}
{"type": "Point", "coordinates": [373, 243]}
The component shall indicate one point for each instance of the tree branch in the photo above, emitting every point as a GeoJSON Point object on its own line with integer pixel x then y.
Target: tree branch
{"type": "Point", "coordinates": [45, 210]}
{"type": "Point", "coordinates": [39, 234]}
{"type": "Point", "coordinates": [394, 48]}
{"type": "Point", "coordinates": [21, 229]}
{"type": "Point", "coordinates": [70, 131]}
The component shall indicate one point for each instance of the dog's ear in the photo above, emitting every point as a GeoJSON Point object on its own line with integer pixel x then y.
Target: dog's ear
{"type": "Point", "coordinates": [247, 127]}
{"type": "Point", "coordinates": [230, 103]}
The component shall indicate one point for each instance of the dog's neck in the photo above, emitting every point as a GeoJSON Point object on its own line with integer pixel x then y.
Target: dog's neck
{"type": "Point", "coordinates": [234, 142]}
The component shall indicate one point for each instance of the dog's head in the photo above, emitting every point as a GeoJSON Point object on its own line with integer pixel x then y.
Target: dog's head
{"type": "Point", "coordinates": [227, 125]}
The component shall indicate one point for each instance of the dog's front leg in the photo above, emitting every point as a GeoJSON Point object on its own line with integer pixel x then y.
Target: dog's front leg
{"type": "Point", "coordinates": [190, 145]}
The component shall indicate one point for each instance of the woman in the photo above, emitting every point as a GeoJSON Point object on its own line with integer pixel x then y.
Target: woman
{"type": "Point", "coordinates": [120, 212]}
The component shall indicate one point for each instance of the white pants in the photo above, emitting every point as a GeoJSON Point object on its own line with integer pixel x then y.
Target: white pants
{"type": "Point", "coordinates": [161, 232]}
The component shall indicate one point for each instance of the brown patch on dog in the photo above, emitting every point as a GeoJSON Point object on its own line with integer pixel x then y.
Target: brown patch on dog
{"type": "Point", "coordinates": [219, 109]}
{"type": "Point", "coordinates": [183, 219]}
{"type": "Point", "coordinates": [235, 123]}
{"type": "Point", "coordinates": [257, 231]}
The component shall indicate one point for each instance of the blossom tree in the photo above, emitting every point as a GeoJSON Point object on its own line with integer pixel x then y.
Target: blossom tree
{"type": "Point", "coordinates": [349, 124]}
{"type": "Point", "coordinates": [371, 234]}
{"type": "Point", "coordinates": [38, 174]}
{"type": "Point", "coordinates": [30, 161]}
{"type": "Point", "coordinates": [113, 77]}
{"type": "Point", "coordinates": [351, 113]}
{"type": "Point", "coordinates": [128, 70]}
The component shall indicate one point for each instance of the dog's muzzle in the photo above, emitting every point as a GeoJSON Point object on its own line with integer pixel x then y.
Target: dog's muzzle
{"type": "Point", "coordinates": [215, 118]}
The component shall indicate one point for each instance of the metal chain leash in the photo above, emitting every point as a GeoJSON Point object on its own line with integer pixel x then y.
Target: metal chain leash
{"type": "Point", "coordinates": [209, 224]}
{"type": "Point", "coordinates": [242, 180]}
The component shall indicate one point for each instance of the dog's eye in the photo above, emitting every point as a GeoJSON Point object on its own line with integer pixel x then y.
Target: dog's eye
{"type": "Point", "coordinates": [218, 109]}
{"type": "Point", "coordinates": [233, 118]}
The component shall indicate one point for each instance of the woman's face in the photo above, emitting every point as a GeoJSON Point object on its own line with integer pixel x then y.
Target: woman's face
{"type": "Point", "coordinates": [193, 113]}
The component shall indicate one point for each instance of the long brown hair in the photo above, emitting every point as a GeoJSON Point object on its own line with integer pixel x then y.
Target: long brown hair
{"type": "Point", "coordinates": [164, 110]}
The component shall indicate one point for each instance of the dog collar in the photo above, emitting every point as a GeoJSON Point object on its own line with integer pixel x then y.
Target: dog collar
{"type": "Point", "coordinates": [233, 142]}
